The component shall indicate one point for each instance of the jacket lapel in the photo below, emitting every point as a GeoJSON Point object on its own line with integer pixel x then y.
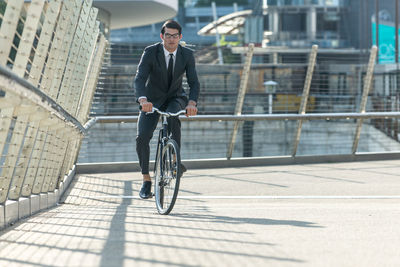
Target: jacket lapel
{"type": "Point", "coordinates": [161, 61]}
{"type": "Point", "coordinates": [178, 63]}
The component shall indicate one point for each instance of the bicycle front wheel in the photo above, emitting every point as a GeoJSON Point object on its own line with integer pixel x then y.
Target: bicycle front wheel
{"type": "Point", "coordinates": [168, 178]}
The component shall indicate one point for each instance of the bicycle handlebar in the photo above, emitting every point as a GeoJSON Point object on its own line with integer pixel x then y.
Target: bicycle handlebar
{"type": "Point", "coordinates": [168, 114]}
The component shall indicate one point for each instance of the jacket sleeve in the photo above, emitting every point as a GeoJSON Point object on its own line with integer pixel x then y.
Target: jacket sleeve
{"type": "Point", "coordinates": [142, 74]}
{"type": "Point", "coordinates": [192, 78]}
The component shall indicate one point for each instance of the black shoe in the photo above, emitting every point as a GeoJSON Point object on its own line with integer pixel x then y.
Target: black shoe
{"type": "Point", "coordinates": [145, 191]}
{"type": "Point", "coordinates": [182, 170]}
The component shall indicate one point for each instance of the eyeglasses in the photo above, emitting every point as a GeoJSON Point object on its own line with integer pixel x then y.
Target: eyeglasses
{"type": "Point", "coordinates": [169, 36]}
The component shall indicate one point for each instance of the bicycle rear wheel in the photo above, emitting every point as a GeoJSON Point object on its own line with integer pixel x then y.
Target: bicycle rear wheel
{"type": "Point", "coordinates": [167, 178]}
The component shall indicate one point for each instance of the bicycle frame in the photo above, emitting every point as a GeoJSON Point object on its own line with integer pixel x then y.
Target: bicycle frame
{"type": "Point", "coordinates": [163, 134]}
{"type": "Point", "coordinates": [162, 140]}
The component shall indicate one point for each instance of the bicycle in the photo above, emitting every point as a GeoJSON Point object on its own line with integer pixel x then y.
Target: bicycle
{"type": "Point", "coordinates": [167, 166]}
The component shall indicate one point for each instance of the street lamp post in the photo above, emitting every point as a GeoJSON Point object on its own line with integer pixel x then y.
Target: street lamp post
{"type": "Point", "coordinates": [270, 88]}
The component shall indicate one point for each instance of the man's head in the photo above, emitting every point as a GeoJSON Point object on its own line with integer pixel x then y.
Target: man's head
{"type": "Point", "coordinates": [171, 34]}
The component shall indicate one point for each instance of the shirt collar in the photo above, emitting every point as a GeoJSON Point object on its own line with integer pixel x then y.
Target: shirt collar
{"type": "Point", "coordinates": [166, 52]}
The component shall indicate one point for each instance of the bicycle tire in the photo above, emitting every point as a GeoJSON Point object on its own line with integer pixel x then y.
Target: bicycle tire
{"type": "Point", "coordinates": [157, 166]}
{"type": "Point", "coordinates": [167, 178]}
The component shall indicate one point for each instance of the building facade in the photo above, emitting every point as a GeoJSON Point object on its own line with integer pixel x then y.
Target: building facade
{"type": "Point", "coordinates": [334, 24]}
{"type": "Point", "coordinates": [328, 23]}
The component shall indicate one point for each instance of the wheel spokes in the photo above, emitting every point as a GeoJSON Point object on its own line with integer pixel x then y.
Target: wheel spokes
{"type": "Point", "coordinates": [167, 183]}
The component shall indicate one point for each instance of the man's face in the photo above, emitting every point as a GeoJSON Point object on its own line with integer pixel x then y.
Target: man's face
{"type": "Point", "coordinates": [171, 38]}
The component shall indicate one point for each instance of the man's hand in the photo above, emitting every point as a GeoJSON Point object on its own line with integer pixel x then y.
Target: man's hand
{"type": "Point", "coordinates": [146, 106]}
{"type": "Point", "coordinates": [191, 109]}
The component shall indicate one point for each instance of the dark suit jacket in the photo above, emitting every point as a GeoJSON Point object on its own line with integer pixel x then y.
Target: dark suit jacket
{"type": "Point", "coordinates": [151, 77]}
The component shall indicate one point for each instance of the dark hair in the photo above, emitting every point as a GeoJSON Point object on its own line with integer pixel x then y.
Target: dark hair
{"type": "Point", "coordinates": [172, 24]}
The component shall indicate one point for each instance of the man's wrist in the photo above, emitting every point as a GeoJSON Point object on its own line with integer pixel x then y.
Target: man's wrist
{"type": "Point", "coordinates": [142, 100]}
{"type": "Point", "coordinates": [192, 103]}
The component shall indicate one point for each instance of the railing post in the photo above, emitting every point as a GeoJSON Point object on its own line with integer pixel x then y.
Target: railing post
{"type": "Point", "coordinates": [240, 98]}
{"type": "Point", "coordinates": [43, 162]}
{"type": "Point", "coordinates": [8, 28]}
{"type": "Point", "coordinates": [18, 182]}
{"type": "Point", "coordinates": [28, 36]}
{"type": "Point", "coordinates": [89, 38]}
{"type": "Point", "coordinates": [61, 45]}
{"type": "Point", "coordinates": [32, 168]}
{"type": "Point", "coordinates": [49, 181]}
{"type": "Point", "coordinates": [91, 79]}
{"type": "Point", "coordinates": [44, 42]}
{"type": "Point", "coordinates": [68, 86]}
{"type": "Point", "coordinates": [13, 158]}
{"type": "Point", "coordinates": [366, 89]}
{"type": "Point", "coordinates": [304, 98]}
{"type": "Point", "coordinates": [59, 175]}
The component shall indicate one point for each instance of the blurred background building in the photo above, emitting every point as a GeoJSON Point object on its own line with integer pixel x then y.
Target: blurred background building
{"type": "Point", "coordinates": [337, 24]}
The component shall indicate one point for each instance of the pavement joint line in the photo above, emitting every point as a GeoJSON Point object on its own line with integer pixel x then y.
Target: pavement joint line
{"type": "Point", "coordinates": [255, 197]}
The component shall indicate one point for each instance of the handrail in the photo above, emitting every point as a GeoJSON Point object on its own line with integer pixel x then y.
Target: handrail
{"type": "Point", "coordinates": [27, 90]}
{"type": "Point", "coordinates": [260, 117]}
{"type": "Point", "coordinates": [262, 135]}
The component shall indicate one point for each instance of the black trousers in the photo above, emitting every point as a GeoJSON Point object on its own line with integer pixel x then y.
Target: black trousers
{"type": "Point", "coordinates": [146, 125]}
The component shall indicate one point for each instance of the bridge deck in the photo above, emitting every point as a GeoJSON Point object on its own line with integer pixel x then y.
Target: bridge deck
{"type": "Point", "coordinates": [334, 214]}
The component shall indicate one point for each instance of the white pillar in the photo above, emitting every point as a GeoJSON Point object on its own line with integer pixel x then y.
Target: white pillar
{"type": "Point", "coordinates": [312, 23]}
{"type": "Point", "coordinates": [274, 21]}
{"type": "Point", "coordinates": [270, 96]}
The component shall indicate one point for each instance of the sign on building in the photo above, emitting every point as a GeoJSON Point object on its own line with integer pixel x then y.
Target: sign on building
{"type": "Point", "coordinates": [387, 37]}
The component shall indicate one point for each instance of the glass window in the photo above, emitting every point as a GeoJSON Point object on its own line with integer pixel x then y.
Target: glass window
{"type": "Point", "coordinates": [190, 20]}
{"type": "Point", "coordinates": [266, 23]}
{"type": "Point", "coordinates": [205, 19]}
{"type": "Point", "coordinates": [294, 22]}
{"type": "Point", "coordinates": [327, 21]}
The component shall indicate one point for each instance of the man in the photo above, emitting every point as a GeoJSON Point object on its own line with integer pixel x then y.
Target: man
{"type": "Point", "coordinates": [158, 83]}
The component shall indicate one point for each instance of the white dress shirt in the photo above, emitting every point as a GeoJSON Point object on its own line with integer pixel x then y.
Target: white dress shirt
{"type": "Point", "coordinates": [166, 54]}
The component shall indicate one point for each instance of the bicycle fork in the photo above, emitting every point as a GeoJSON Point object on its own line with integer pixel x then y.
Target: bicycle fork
{"type": "Point", "coordinates": [165, 136]}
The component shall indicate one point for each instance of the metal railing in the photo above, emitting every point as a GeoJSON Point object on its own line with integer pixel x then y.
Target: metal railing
{"type": "Point", "coordinates": [112, 138]}
{"type": "Point", "coordinates": [50, 58]}
{"type": "Point", "coordinates": [317, 108]}
{"type": "Point", "coordinates": [336, 85]}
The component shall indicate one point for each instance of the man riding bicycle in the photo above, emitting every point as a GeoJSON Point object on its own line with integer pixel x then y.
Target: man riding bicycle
{"type": "Point", "coordinates": [158, 83]}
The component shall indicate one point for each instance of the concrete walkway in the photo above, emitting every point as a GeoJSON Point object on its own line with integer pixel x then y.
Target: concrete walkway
{"type": "Point", "coordinates": [339, 214]}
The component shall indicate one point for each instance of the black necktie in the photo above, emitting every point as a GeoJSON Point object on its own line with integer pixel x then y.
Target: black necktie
{"type": "Point", "coordinates": [170, 67]}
